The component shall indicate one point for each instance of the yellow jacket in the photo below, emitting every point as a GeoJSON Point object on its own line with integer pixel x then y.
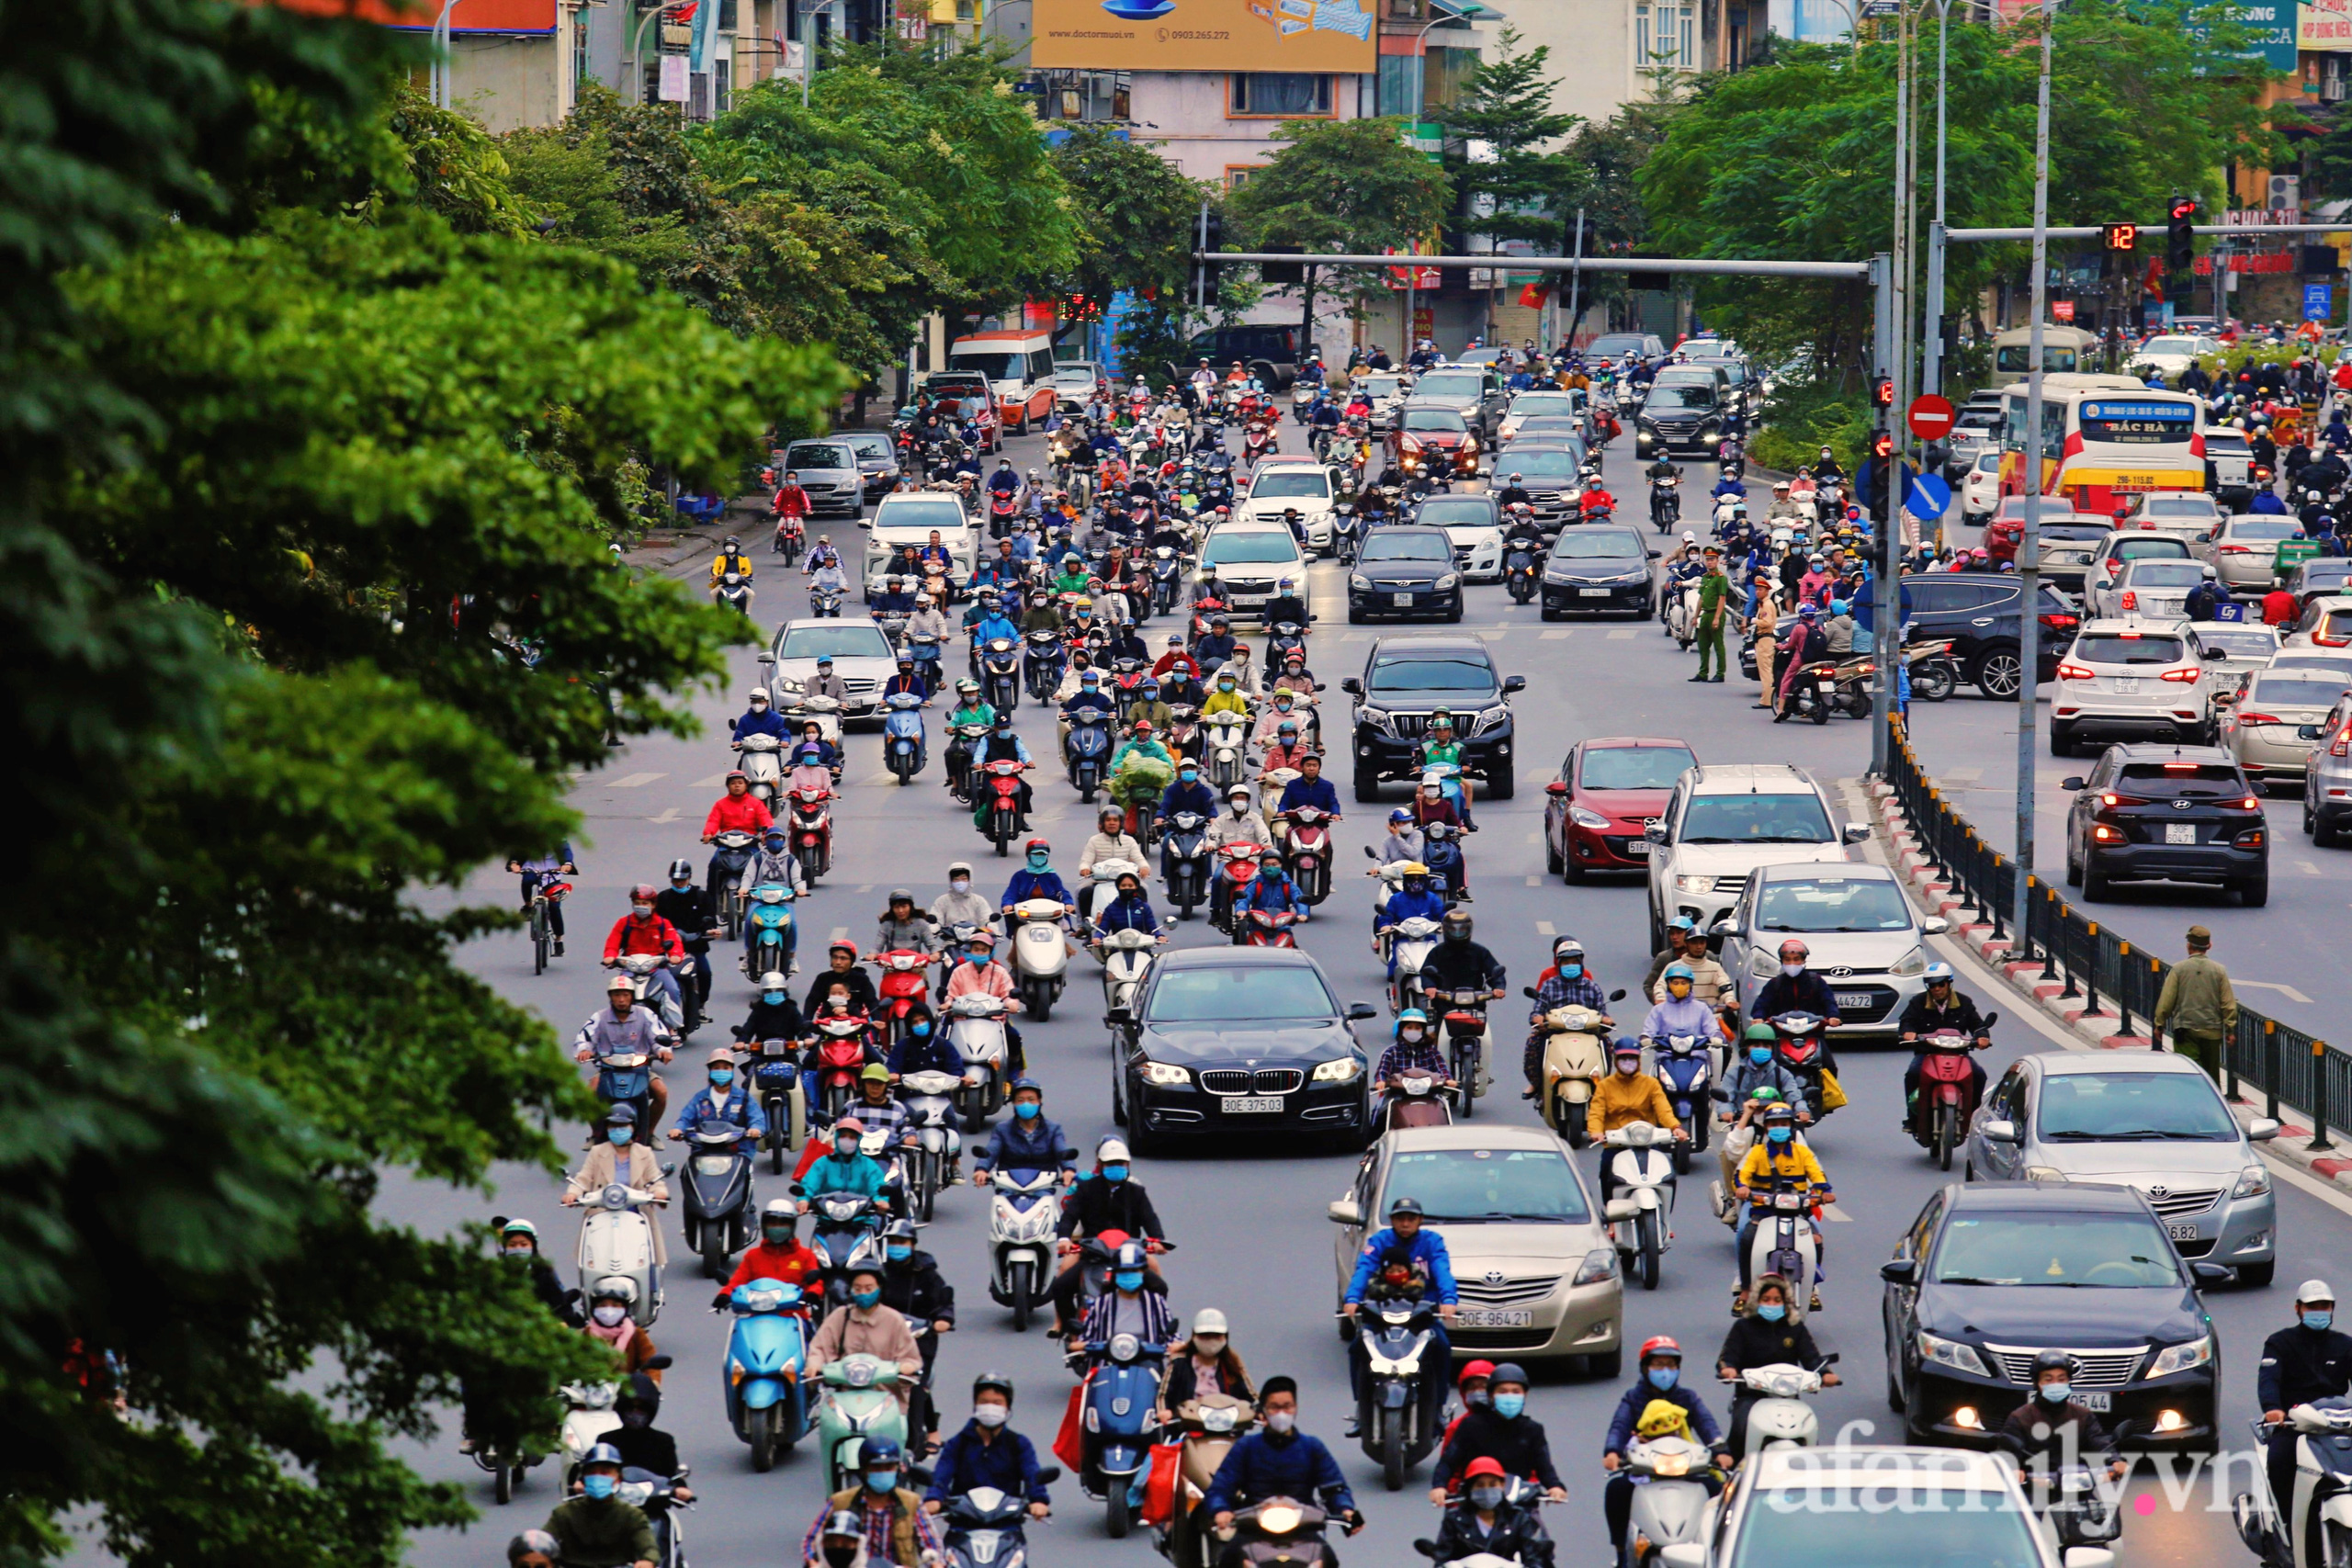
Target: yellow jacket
{"type": "Point", "coordinates": [1793, 1160]}
{"type": "Point", "coordinates": [1226, 701]}
{"type": "Point", "coordinates": [1620, 1102]}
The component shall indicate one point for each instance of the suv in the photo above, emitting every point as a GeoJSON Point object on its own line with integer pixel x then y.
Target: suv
{"type": "Point", "coordinates": [1853, 1503]}
{"type": "Point", "coordinates": [1724, 821]}
{"type": "Point", "coordinates": [2130, 678]}
{"type": "Point", "coordinates": [1612, 349]}
{"type": "Point", "coordinates": [1682, 415]}
{"type": "Point", "coordinates": [1405, 679]}
{"type": "Point", "coordinates": [1263, 349]}
{"type": "Point", "coordinates": [2172, 813]}
{"type": "Point", "coordinates": [1980, 612]}
{"type": "Point", "coordinates": [1475, 391]}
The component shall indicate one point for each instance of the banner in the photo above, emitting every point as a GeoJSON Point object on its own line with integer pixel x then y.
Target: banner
{"type": "Point", "coordinates": [1336, 36]}
{"type": "Point", "coordinates": [2324, 27]}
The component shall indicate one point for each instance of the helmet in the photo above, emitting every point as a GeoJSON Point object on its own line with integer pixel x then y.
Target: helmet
{"type": "Point", "coordinates": [1763, 1032]}
{"type": "Point", "coordinates": [1474, 1370]}
{"type": "Point", "coordinates": [1400, 815]}
{"type": "Point", "coordinates": [992, 1379]}
{"type": "Point", "coordinates": [1779, 1110]}
{"type": "Point", "coordinates": [519, 1227]}
{"type": "Point", "coordinates": [1509, 1371]}
{"type": "Point", "coordinates": [1129, 1256]}
{"type": "Point", "coordinates": [615, 1287]}
{"type": "Point", "coordinates": [1659, 1345]}
{"type": "Point", "coordinates": [536, 1541]}
{"type": "Point", "coordinates": [1457, 925]}
{"type": "Point", "coordinates": [622, 1115]}
{"type": "Point", "coordinates": [758, 694]}
{"type": "Point", "coordinates": [1626, 1046]}
{"type": "Point", "coordinates": [1938, 975]}
{"type": "Point", "coordinates": [682, 868]}
{"type": "Point", "coordinates": [1405, 1206]}
{"type": "Point", "coordinates": [900, 1230]}
{"type": "Point", "coordinates": [1411, 1015]}
{"type": "Point", "coordinates": [2053, 1361]}
{"type": "Point", "coordinates": [642, 893]}
{"type": "Point", "coordinates": [879, 1450]}
{"type": "Point", "coordinates": [779, 1209]}
{"type": "Point", "coordinates": [1027, 1083]}
{"type": "Point", "coordinates": [1564, 947]}
{"type": "Point", "coordinates": [1678, 972]}
{"type": "Point", "coordinates": [1037, 844]}
{"type": "Point", "coordinates": [2312, 1292]}
{"type": "Point", "coordinates": [602, 1453]}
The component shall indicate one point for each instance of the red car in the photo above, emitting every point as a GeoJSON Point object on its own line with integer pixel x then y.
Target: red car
{"type": "Point", "coordinates": [1435, 437]}
{"type": "Point", "coordinates": [969, 391]}
{"type": "Point", "coordinates": [1608, 790]}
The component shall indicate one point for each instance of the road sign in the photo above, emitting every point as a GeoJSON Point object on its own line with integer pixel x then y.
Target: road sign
{"type": "Point", "coordinates": [1929, 495]}
{"type": "Point", "coordinates": [2061, 310]}
{"type": "Point", "coordinates": [2319, 301]}
{"type": "Point", "coordinates": [1930, 417]}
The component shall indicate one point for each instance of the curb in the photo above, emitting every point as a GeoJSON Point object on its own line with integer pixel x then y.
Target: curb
{"type": "Point", "coordinates": [2090, 1031]}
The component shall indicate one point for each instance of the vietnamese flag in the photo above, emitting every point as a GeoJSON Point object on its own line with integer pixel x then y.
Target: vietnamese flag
{"type": "Point", "coordinates": [1535, 294]}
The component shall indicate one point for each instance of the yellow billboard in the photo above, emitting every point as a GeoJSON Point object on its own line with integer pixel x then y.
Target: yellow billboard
{"type": "Point", "coordinates": [2324, 27]}
{"type": "Point", "coordinates": [1206, 35]}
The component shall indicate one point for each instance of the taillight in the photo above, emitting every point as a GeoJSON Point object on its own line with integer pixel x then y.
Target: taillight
{"type": "Point", "coordinates": [2342, 745]}
{"type": "Point", "coordinates": [2111, 799]}
{"type": "Point", "coordinates": [2188, 677]}
{"type": "Point", "coordinates": [2059, 622]}
{"type": "Point", "coordinates": [2131, 600]}
{"type": "Point", "coordinates": [2258, 718]}
{"type": "Point", "coordinates": [2104, 834]}
{"type": "Point", "coordinates": [2235, 550]}
{"type": "Point", "coordinates": [2076, 672]}
{"type": "Point", "coordinates": [2249, 804]}
{"type": "Point", "coordinates": [2249, 840]}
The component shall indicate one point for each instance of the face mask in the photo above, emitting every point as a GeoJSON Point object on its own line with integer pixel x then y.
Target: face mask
{"type": "Point", "coordinates": [1760, 1054]}
{"type": "Point", "coordinates": [1792, 970]}
{"type": "Point", "coordinates": [920, 1030]}
{"type": "Point", "coordinates": [1779, 1135]}
{"type": "Point", "coordinates": [643, 911]}
{"type": "Point", "coordinates": [1678, 990]}
{"type": "Point", "coordinates": [1114, 1173]}
{"type": "Point", "coordinates": [531, 1251]}
{"type": "Point", "coordinates": [1476, 1396]}
{"type": "Point", "coordinates": [1486, 1498]}
{"type": "Point", "coordinates": [1039, 863]}
{"type": "Point", "coordinates": [1510, 1403]}
{"type": "Point", "coordinates": [839, 1553]}
{"type": "Point", "coordinates": [621, 1135]}
{"type": "Point", "coordinates": [682, 887]}
{"type": "Point", "coordinates": [1665, 1377]}
{"type": "Point", "coordinates": [1281, 1420]}
{"type": "Point", "coordinates": [2318, 1321]}
{"type": "Point", "coordinates": [844, 1147]}
{"type": "Point", "coordinates": [899, 1254]}
{"type": "Point", "coordinates": [2056, 1392]}
{"type": "Point", "coordinates": [960, 884]}
{"type": "Point", "coordinates": [1209, 1344]}
{"type": "Point", "coordinates": [599, 1485]}
{"type": "Point", "coordinates": [1628, 1066]}
{"type": "Point", "coordinates": [610, 1316]}
{"type": "Point", "coordinates": [1189, 775]}
{"type": "Point", "coordinates": [637, 1420]}
{"type": "Point", "coordinates": [1027, 1110]}
{"type": "Point", "coordinates": [1571, 971]}
{"type": "Point", "coordinates": [772, 998]}
{"type": "Point", "coordinates": [990, 1415]}
{"type": "Point", "coordinates": [1128, 1279]}
{"type": "Point", "coordinates": [881, 1479]}
{"type": "Point", "coordinates": [1772, 1312]}
{"type": "Point", "coordinates": [777, 1235]}
{"type": "Point", "coordinates": [721, 1077]}
{"type": "Point", "coordinates": [864, 1298]}
{"type": "Point", "coordinates": [1409, 1036]}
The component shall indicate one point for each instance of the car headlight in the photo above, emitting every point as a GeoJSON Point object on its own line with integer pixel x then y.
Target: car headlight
{"type": "Point", "coordinates": [1340, 1070]}
{"type": "Point", "coordinates": [791, 686]}
{"type": "Point", "coordinates": [1584, 817]}
{"type": "Point", "coordinates": [1165, 1074]}
{"type": "Point", "coordinates": [1912, 963]}
{"type": "Point", "coordinates": [2044, 1173]}
{"type": "Point", "coordinates": [1599, 1267]}
{"type": "Point", "coordinates": [2254, 1181]}
{"type": "Point", "coordinates": [1376, 718]}
{"type": "Point", "coordinates": [1763, 965]}
{"type": "Point", "coordinates": [2180, 1357]}
{"type": "Point", "coordinates": [1694, 885]}
{"type": "Point", "coordinates": [1445, 582]}
{"type": "Point", "coordinates": [1951, 1353]}
{"type": "Point", "coordinates": [1359, 582]}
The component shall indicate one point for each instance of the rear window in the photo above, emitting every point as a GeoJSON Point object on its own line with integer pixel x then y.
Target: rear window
{"type": "Point", "coordinates": [2122, 648]}
{"type": "Point", "coordinates": [2207, 781]}
{"type": "Point", "coordinates": [2166, 574]}
{"type": "Point", "coordinates": [2152, 546]}
{"type": "Point", "coordinates": [2265, 528]}
{"type": "Point", "coordinates": [2239, 645]}
{"type": "Point", "coordinates": [2295, 692]}
{"type": "Point", "coordinates": [1618, 345]}
{"type": "Point", "coordinates": [1435, 385]}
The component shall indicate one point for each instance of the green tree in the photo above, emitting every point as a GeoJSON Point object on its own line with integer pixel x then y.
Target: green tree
{"type": "Point", "coordinates": [1498, 128]}
{"type": "Point", "coordinates": [1348, 186]}
{"type": "Point", "coordinates": [1140, 215]}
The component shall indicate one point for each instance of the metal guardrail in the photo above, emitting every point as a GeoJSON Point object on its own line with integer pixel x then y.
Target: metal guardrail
{"type": "Point", "coordinates": [2107, 973]}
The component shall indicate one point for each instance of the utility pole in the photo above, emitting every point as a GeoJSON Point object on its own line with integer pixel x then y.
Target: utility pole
{"type": "Point", "coordinates": [1576, 285]}
{"type": "Point", "coordinates": [2029, 546]}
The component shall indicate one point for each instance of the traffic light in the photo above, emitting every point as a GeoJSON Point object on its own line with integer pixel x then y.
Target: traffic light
{"type": "Point", "coordinates": [1209, 235]}
{"type": "Point", "coordinates": [1883, 394]}
{"type": "Point", "coordinates": [1276, 275]}
{"type": "Point", "coordinates": [1882, 445]}
{"type": "Point", "coordinates": [2180, 244]}
{"type": "Point", "coordinates": [2118, 236]}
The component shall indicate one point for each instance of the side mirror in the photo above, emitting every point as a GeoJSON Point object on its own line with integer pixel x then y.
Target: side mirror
{"type": "Point", "coordinates": [658, 1364]}
{"type": "Point", "coordinates": [2072, 782]}
{"type": "Point", "coordinates": [1358, 1011]}
{"type": "Point", "coordinates": [1618, 995]}
{"type": "Point", "coordinates": [1899, 1272]}
{"type": "Point", "coordinates": [1514, 683]}
{"type": "Point", "coordinates": [1344, 1212]}
{"type": "Point", "coordinates": [1556, 788]}
{"type": "Point", "coordinates": [1655, 834]}
{"type": "Point", "coordinates": [866, 522]}
{"type": "Point", "coordinates": [1722, 928]}
{"type": "Point", "coordinates": [1350, 685]}
{"type": "Point", "coordinates": [1857, 832]}
{"type": "Point", "coordinates": [766, 658]}
{"type": "Point", "coordinates": [1049, 1474]}
{"type": "Point", "coordinates": [1935, 925]}
{"type": "Point", "coordinates": [2000, 1132]}
{"type": "Point", "coordinates": [2261, 1130]}
{"type": "Point", "coordinates": [1527, 991]}
{"type": "Point", "coordinates": [1655, 555]}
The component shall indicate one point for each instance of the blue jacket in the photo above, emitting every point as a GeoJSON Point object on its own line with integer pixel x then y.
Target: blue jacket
{"type": "Point", "coordinates": [1181, 796]}
{"type": "Point", "coordinates": [988, 628]}
{"type": "Point", "coordinates": [1008, 1462]}
{"type": "Point", "coordinates": [1015, 1145]}
{"type": "Point", "coordinates": [834, 1174]}
{"type": "Point", "coordinates": [1427, 1249]}
{"type": "Point", "coordinates": [765, 721]}
{"type": "Point", "coordinates": [933, 1055]}
{"type": "Point", "coordinates": [2267, 504]}
{"type": "Point", "coordinates": [1637, 1398]}
{"type": "Point", "coordinates": [1275, 895]}
{"type": "Point", "coordinates": [1303, 791]}
{"type": "Point", "coordinates": [732, 1106]}
{"type": "Point", "coordinates": [1127, 913]}
{"type": "Point", "coordinates": [1027, 884]}
{"type": "Point", "coordinates": [1267, 1464]}
{"type": "Point", "coordinates": [1404, 905]}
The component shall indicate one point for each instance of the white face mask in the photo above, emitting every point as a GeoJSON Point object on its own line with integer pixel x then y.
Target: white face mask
{"type": "Point", "coordinates": [1794, 970]}
{"type": "Point", "coordinates": [610, 1316]}
{"type": "Point", "coordinates": [990, 1415]}
{"type": "Point", "coordinates": [1281, 1420]}
{"type": "Point", "coordinates": [960, 884]}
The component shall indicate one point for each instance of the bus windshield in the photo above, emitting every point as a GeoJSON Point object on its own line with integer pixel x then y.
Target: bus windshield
{"type": "Point", "coordinates": [2138, 421]}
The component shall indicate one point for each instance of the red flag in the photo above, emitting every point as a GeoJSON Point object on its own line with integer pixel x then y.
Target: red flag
{"type": "Point", "coordinates": [2152, 285]}
{"type": "Point", "coordinates": [1535, 294]}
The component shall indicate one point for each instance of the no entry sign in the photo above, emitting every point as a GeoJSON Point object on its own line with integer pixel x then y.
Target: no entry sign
{"type": "Point", "coordinates": [1930, 417]}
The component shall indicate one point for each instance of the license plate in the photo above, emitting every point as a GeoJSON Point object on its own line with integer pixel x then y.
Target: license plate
{"type": "Point", "coordinates": [1592, 593]}
{"type": "Point", "coordinates": [2180, 832]}
{"type": "Point", "coordinates": [1494, 1317]}
{"type": "Point", "coordinates": [1639, 848]}
{"type": "Point", "coordinates": [2126, 682]}
{"type": "Point", "coordinates": [1855, 998]}
{"type": "Point", "coordinates": [2181, 1232]}
{"type": "Point", "coordinates": [1400, 599]}
{"type": "Point", "coordinates": [2096, 1400]}
{"type": "Point", "coordinates": [1251, 1104]}
{"type": "Point", "coordinates": [774, 1047]}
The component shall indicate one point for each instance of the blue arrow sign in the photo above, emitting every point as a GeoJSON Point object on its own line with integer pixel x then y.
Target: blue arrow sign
{"type": "Point", "coordinates": [1929, 495]}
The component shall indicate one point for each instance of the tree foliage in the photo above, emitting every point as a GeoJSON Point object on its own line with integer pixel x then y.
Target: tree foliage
{"type": "Point", "coordinates": [1500, 130]}
{"type": "Point", "coordinates": [1139, 214]}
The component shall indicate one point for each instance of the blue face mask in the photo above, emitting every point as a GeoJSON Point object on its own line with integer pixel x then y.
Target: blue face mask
{"type": "Point", "coordinates": [2318, 1321]}
{"type": "Point", "coordinates": [1778, 1134]}
{"type": "Point", "coordinates": [921, 1030]}
{"type": "Point", "coordinates": [899, 1254]}
{"type": "Point", "coordinates": [1027, 1109]}
{"type": "Point", "coordinates": [1114, 1173]}
{"type": "Point", "coordinates": [1510, 1403]}
{"type": "Point", "coordinates": [621, 1135]}
{"type": "Point", "coordinates": [599, 1485]}
{"type": "Point", "coordinates": [2056, 1392]}
{"type": "Point", "coordinates": [1760, 1054]}
{"type": "Point", "coordinates": [1665, 1377]}
{"type": "Point", "coordinates": [1771, 1311]}
{"type": "Point", "coordinates": [773, 999]}
{"type": "Point", "coordinates": [1128, 1279]}
{"type": "Point", "coordinates": [1571, 971]}
{"type": "Point", "coordinates": [721, 1077]}
{"type": "Point", "coordinates": [1039, 863]}
{"type": "Point", "coordinates": [1191, 775]}
{"type": "Point", "coordinates": [864, 1298]}
{"type": "Point", "coordinates": [881, 1479]}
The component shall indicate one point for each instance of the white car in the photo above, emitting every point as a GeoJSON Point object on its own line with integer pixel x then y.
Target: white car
{"type": "Point", "coordinates": [2126, 679]}
{"type": "Point", "coordinates": [1279, 483]}
{"type": "Point", "coordinates": [908, 518]}
{"type": "Point", "coordinates": [1722, 822]}
{"type": "Point", "coordinates": [2325, 624]}
{"type": "Point", "coordinates": [1868, 1506]}
{"type": "Point", "coordinates": [2233, 652]}
{"type": "Point", "coordinates": [1979, 492]}
{"type": "Point", "coordinates": [2173, 511]}
{"type": "Point", "coordinates": [1251, 558]}
{"type": "Point", "coordinates": [1863, 936]}
{"type": "Point", "coordinates": [2244, 549]}
{"type": "Point", "coordinates": [1525, 406]}
{"type": "Point", "coordinates": [862, 660]}
{"type": "Point", "coordinates": [1074, 382]}
{"type": "Point", "coordinates": [2151, 591]}
{"type": "Point", "coordinates": [1474, 527]}
{"type": "Point", "coordinates": [2170, 356]}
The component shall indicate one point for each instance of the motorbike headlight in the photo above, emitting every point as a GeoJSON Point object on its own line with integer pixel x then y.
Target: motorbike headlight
{"type": "Point", "coordinates": [1165, 1074]}
{"type": "Point", "coordinates": [1446, 583]}
{"type": "Point", "coordinates": [2180, 1357]}
{"type": "Point", "coordinates": [1912, 963]}
{"type": "Point", "coordinates": [2254, 1181]}
{"type": "Point", "coordinates": [1340, 1070]}
{"type": "Point", "coordinates": [1359, 582]}
{"type": "Point", "coordinates": [1584, 817]}
{"type": "Point", "coordinates": [1599, 1267]}
{"type": "Point", "coordinates": [1694, 885]}
{"type": "Point", "coordinates": [1951, 1353]}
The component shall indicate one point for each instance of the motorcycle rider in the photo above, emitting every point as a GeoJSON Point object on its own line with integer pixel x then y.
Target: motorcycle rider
{"type": "Point", "coordinates": [814, 751]}
{"type": "Point", "coordinates": [1213, 650]}
{"type": "Point", "coordinates": [1279, 1460]}
{"type": "Point", "coordinates": [1626, 1096]}
{"type": "Point", "coordinates": [1284, 707]}
{"type": "Point", "coordinates": [894, 599]}
{"type": "Point", "coordinates": [1441, 748]}
{"type": "Point", "coordinates": [1286, 605]}
{"type": "Point", "coordinates": [1413, 1048]}
{"type": "Point", "coordinates": [2054, 1428]}
{"type": "Point", "coordinates": [959, 906]}
{"type": "Point", "coordinates": [979, 973]}
{"type": "Point", "coordinates": [1778, 1155]}
{"type": "Point", "coordinates": [1029, 1141]}
{"type": "Point", "coordinates": [1757, 1065]}
{"type": "Point", "coordinates": [621, 1028]}
{"type": "Point", "coordinates": [731, 557]}
{"type": "Point", "coordinates": [1499, 1433]}
{"type": "Point", "coordinates": [620, 1156]}
{"type": "Point", "coordinates": [1226, 698]}
{"type": "Point", "coordinates": [1941, 1006]}
{"type": "Point", "coordinates": [1765, 1336]}
{"type": "Point", "coordinates": [778, 1254]}
{"type": "Point", "coordinates": [1136, 1303]}
{"type": "Point", "coordinates": [1415, 896]}
{"type": "Point", "coordinates": [725, 1103]}
{"type": "Point", "coordinates": [914, 1287]}
{"type": "Point", "coordinates": [1798, 989]}
{"type": "Point", "coordinates": [773, 1014]}
{"type": "Point", "coordinates": [1142, 744]}
{"type": "Point", "coordinates": [1037, 879]}
{"type": "Point", "coordinates": [1187, 792]}
{"type": "Point", "coordinates": [1310, 788]}
{"type": "Point", "coordinates": [1659, 1378]}
{"type": "Point", "coordinates": [1680, 1012]}
{"type": "Point", "coordinates": [1089, 696]}
{"type": "Point", "coordinates": [2310, 1361]}
{"type": "Point", "coordinates": [642, 1444]}
{"type": "Point", "coordinates": [1287, 750]}
{"type": "Point", "coordinates": [906, 680]}
{"type": "Point", "coordinates": [1568, 983]}
{"type": "Point", "coordinates": [597, 1529]}
{"type": "Point", "coordinates": [905, 928]}
{"type": "Point", "coordinates": [1130, 909]}
{"type": "Point", "coordinates": [1514, 494]}
{"type": "Point", "coordinates": [1404, 842]}
{"type": "Point", "coordinates": [773, 862]}
{"type": "Point", "coordinates": [841, 969]}
{"type": "Point", "coordinates": [759, 717]}
{"type": "Point", "coordinates": [1405, 1242]}
{"type": "Point", "coordinates": [1146, 707]}
{"type": "Point", "coordinates": [1205, 1363]}
{"type": "Point", "coordinates": [879, 1517]}
{"type": "Point", "coordinates": [1001, 745]}
{"type": "Point", "coordinates": [1459, 963]}
{"type": "Point", "coordinates": [694, 914]}
{"type": "Point", "coordinates": [989, 1452]}
{"type": "Point", "coordinates": [1482, 1522]}
{"type": "Point", "coordinates": [1271, 892]}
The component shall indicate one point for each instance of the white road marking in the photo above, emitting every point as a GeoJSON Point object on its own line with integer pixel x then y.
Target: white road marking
{"type": "Point", "coordinates": [1535, 882]}
{"type": "Point", "coordinates": [1535, 838]}
{"type": "Point", "coordinates": [711, 782]}
{"type": "Point", "coordinates": [1963, 774]}
{"type": "Point", "coordinates": [2307, 868]}
{"type": "Point", "coordinates": [636, 781]}
{"type": "Point", "coordinates": [840, 932]}
{"type": "Point", "coordinates": [1554, 635]}
{"type": "Point", "coordinates": [1544, 927]}
{"type": "Point", "coordinates": [1620, 636]}
{"type": "Point", "coordinates": [2291, 994]}
{"type": "Point", "coordinates": [669, 815]}
{"type": "Point", "coordinates": [1832, 1211]}
{"type": "Point", "coordinates": [885, 777]}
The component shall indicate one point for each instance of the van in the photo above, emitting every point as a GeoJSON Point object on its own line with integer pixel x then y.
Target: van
{"type": "Point", "coordinates": [1019, 366]}
{"type": "Point", "coordinates": [2063, 350]}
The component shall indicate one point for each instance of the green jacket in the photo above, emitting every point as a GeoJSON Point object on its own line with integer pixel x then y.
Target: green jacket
{"type": "Point", "coordinates": [1711, 590]}
{"type": "Point", "coordinates": [979, 712]}
{"type": "Point", "coordinates": [601, 1533]}
{"type": "Point", "coordinates": [2197, 996]}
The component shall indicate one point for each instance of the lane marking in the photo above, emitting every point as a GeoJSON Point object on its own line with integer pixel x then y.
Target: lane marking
{"type": "Point", "coordinates": [2293, 994]}
{"type": "Point", "coordinates": [1535, 882]}
{"type": "Point", "coordinates": [839, 933]}
{"type": "Point", "coordinates": [1554, 636]}
{"type": "Point", "coordinates": [1832, 1211]}
{"type": "Point", "coordinates": [1535, 838]}
{"type": "Point", "coordinates": [636, 781]}
{"type": "Point", "coordinates": [669, 815]}
{"type": "Point", "coordinates": [1544, 927]}
{"type": "Point", "coordinates": [711, 782]}
{"type": "Point", "coordinates": [2307, 868]}
{"type": "Point", "coordinates": [1620, 636]}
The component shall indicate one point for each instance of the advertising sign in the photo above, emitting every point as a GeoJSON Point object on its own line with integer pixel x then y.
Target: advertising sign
{"type": "Point", "coordinates": [1206, 35]}
{"type": "Point", "coordinates": [2270, 31]}
{"type": "Point", "coordinates": [2324, 27]}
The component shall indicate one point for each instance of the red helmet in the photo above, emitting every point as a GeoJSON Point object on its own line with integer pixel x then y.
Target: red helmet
{"type": "Point", "coordinates": [641, 894]}
{"type": "Point", "coordinates": [1476, 1369]}
{"type": "Point", "coordinates": [1484, 1465]}
{"type": "Point", "coordinates": [1037, 844]}
{"type": "Point", "coordinates": [1659, 1345]}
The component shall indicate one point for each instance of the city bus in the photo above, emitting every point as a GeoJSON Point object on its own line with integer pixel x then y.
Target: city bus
{"type": "Point", "coordinates": [2104, 439]}
{"type": "Point", "coordinates": [2063, 349]}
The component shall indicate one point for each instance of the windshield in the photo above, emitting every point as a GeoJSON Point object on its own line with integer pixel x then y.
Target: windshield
{"type": "Point", "coordinates": [996, 365]}
{"type": "Point", "coordinates": [2204, 780]}
{"type": "Point", "coordinates": [2323, 574]}
{"type": "Point", "coordinates": [869, 445]}
{"type": "Point", "coordinates": [1885, 1523]}
{"type": "Point", "coordinates": [847, 640]}
{"type": "Point", "coordinates": [1375, 388]}
{"type": "Point", "coordinates": [1597, 544]}
{"type": "Point", "coordinates": [1250, 546]}
{"type": "Point", "coordinates": [1635, 767]}
{"type": "Point", "coordinates": [2122, 648]}
{"type": "Point", "coordinates": [2271, 528]}
{"type": "Point", "coordinates": [2294, 691]}
{"type": "Point", "coordinates": [1756, 820]}
{"type": "Point", "coordinates": [2148, 548]}
{"type": "Point", "coordinates": [947, 516]}
{"type": "Point", "coordinates": [2013, 357]}
{"type": "Point", "coordinates": [1434, 419]}
{"type": "Point", "coordinates": [1437, 384]}
{"type": "Point", "coordinates": [1616, 345]}
{"type": "Point", "coordinates": [824, 456]}
{"type": "Point", "coordinates": [1469, 1185]}
{"type": "Point", "coordinates": [1396, 544]}
{"type": "Point", "coordinates": [2116, 1107]}
{"type": "Point", "coordinates": [2166, 575]}
{"type": "Point", "coordinates": [1833, 904]}
{"type": "Point", "coordinates": [1223, 993]}
{"type": "Point", "coordinates": [1432, 672]}
{"type": "Point", "coordinates": [1286, 483]}
{"type": "Point", "coordinates": [1547, 424]}
{"type": "Point", "coordinates": [2094, 1251]}
{"type": "Point", "coordinates": [1551, 465]}
{"type": "Point", "coordinates": [1457, 511]}
{"type": "Point", "coordinates": [2337, 668]}
{"type": "Point", "coordinates": [1684, 397]}
{"type": "Point", "coordinates": [2169, 346]}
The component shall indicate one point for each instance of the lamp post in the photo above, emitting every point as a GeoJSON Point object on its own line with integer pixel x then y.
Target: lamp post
{"type": "Point", "coordinates": [807, 47]}
{"type": "Point", "coordinates": [443, 88]}
{"type": "Point", "coordinates": [2029, 546]}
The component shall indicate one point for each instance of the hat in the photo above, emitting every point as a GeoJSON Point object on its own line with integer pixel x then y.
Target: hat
{"type": "Point", "coordinates": [1476, 1369]}
{"type": "Point", "coordinates": [620, 982]}
{"type": "Point", "coordinates": [850, 1124]}
{"type": "Point", "coordinates": [2199, 937]}
{"type": "Point", "coordinates": [875, 1072]}
{"type": "Point", "coordinates": [1208, 1320]}
{"type": "Point", "coordinates": [2311, 1291]}
{"type": "Point", "coordinates": [1484, 1464]}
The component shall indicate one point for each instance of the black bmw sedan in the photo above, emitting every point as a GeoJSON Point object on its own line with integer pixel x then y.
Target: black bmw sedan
{"type": "Point", "coordinates": [1240, 1040]}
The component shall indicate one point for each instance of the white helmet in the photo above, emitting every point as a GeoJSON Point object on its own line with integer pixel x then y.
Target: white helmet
{"type": "Point", "coordinates": [1688, 538]}
{"type": "Point", "coordinates": [2311, 1291]}
{"type": "Point", "coordinates": [1208, 1320]}
{"type": "Point", "coordinates": [759, 694]}
{"type": "Point", "coordinates": [615, 1287]}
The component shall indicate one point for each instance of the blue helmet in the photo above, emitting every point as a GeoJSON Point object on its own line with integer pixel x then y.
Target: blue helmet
{"type": "Point", "coordinates": [880, 1451]}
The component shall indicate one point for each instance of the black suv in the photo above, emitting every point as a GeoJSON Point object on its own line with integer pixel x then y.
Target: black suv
{"type": "Point", "coordinates": [1270, 351]}
{"type": "Point", "coordinates": [2167, 813]}
{"type": "Point", "coordinates": [1979, 611]}
{"type": "Point", "coordinates": [1405, 679]}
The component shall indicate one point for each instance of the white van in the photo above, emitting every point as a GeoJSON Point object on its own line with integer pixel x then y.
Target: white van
{"type": "Point", "coordinates": [1020, 368]}
{"type": "Point", "coordinates": [906, 518]}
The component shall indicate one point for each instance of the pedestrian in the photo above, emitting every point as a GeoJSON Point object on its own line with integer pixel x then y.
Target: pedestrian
{"type": "Point", "coordinates": [2199, 1004]}
{"type": "Point", "coordinates": [1767, 622]}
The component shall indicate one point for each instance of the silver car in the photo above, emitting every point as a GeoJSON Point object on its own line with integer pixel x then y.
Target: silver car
{"type": "Point", "coordinates": [2241, 550]}
{"type": "Point", "coordinates": [861, 657]}
{"type": "Point", "coordinates": [2273, 726]}
{"type": "Point", "coordinates": [2174, 511]}
{"type": "Point", "coordinates": [2150, 591]}
{"type": "Point", "coordinates": [2327, 778]}
{"type": "Point", "coordinates": [1862, 935]}
{"type": "Point", "coordinates": [1722, 821]}
{"type": "Point", "coordinates": [827, 469]}
{"type": "Point", "coordinates": [2148, 1119]}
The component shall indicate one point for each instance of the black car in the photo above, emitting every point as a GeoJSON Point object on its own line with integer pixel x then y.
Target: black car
{"type": "Point", "coordinates": [1270, 351]}
{"type": "Point", "coordinates": [1240, 1039]}
{"type": "Point", "coordinates": [1405, 679]}
{"type": "Point", "coordinates": [1994, 1272]}
{"type": "Point", "coordinates": [1612, 349]}
{"type": "Point", "coordinates": [2175, 813]}
{"type": "Point", "coordinates": [1404, 570]}
{"type": "Point", "coordinates": [1551, 472]}
{"type": "Point", "coordinates": [1682, 416]}
{"type": "Point", "coordinates": [1979, 611]}
{"type": "Point", "coordinates": [1598, 568]}
{"type": "Point", "coordinates": [877, 460]}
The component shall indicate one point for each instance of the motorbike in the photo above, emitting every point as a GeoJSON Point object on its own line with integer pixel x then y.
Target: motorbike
{"type": "Point", "coordinates": [1799, 1045]}
{"type": "Point", "coordinates": [1267, 928]}
{"type": "Point", "coordinates": [768, 909]}
{"type": "Point", "coordinates": [859, 1401]}
{"type": "Point", "coordinates": [1040, 955]}
{"type": "Point", "coordinates": [1408, 945]}
{"type": "Point", "coordinates": [1281, 1532]}
{"type": "Point", "coordinates": [1934, 675]}
{"type": "Point", "coordinates": [1308, 852]}
{"type": "Point", "coordinates": [847, 1235]}
{"type": "Point", "coordinates": [1418, 1100]}
{"type": "Point", "coordinates": [790, 539]}
{"type": "Point", "coordinates": [2315, 1525]}
{"type": "Point", "coordinates": [626, 1078]}
{"type": "Point", "coordinates": [717, 1219]}
{"type": "Point", "coordinates": [1004, 786]}
{"type": "Point", "coordinates": [985, 1528]}
{"type": "Point", "coordinates": [1666, 502]}
{"type": "Point", "coordinates": [1237, 868]}
{"type": "Point", "coordinates": [735, 593]}
{"type": "Point", "coordinates": [1003, 511]}
{"type": "Point", "coordinates": [903, 742]}
{"type": "Point", "coordinates": [901, 978]}
{"type": "Point", "coordinates": [812, 830]}
{"type": "Point", "coordinates": [839, 1057]}
{"type": "Point", "coordinates": [616, 1241]}
{"type": "Point", "coordinates": [1575, 1055]}
{"type": "Point", "coordinates": [1465, 1023]}
{"type": "Point", "coordinates": [1127, 957]}
{"type": "Point", "coordinates": [1205, 1429]}
{"type": "Point", "coordinates": [1641, 1215]}
{"type": "Point", "coordinates": [1087, 752]}
{"type": "Point", "coordinates": [767, 1350]}
{"type": "Point", "coordinates": [1781, 1241]}
{"type": "Point", "coordinates": [1685, 1068]}
{"type": "Point", "coordinates": [1523, 570]}
{"type": "Point", "coordinates": [1442, 854]}
{"type": "Point", "coordinates": [1166, 578]}
{"type": "Point", "coordinates": [1347, 533]}
{"type": "Point", "coordinates": [1042, 664]}
{"type": "Point", "coordinates": [1121, 1390]}
{"type": "Point", "coordinates": [1947, 1099]}
{"type": "Point", "coordinates": [963, 740]}
{"type": "Point", "coordinates": [930, 1100]}
{"type": "Point", "coordinates": [824, 602]}
{"type": "Point", "coordinates": [826, 711]}
{"type": "Point", "coordinates": [976, 1028]}
{"type": "Point", "coordinates": [1678, 611]}
{"type": "Point", "coordinates": [762, 763]}
{"type": "Point", "coordinates": [730, 851]}
{"type": "Point", "coordinates": [1026, 1208]}
{"type": "Point", "coordinates": [926, 653]}
{"type": "Point", "coordinates": [1776, 1417]}
{"type": "Point", "coordinates": [1184, 861]}
{"type": "Point", "coordinates": [1281, 637]}
{"type": "Point", "coordinates": [1398, 1423]}
{"type": "Point", "coordinates": [774, 1071]}
{"type": "Point", "coordinates": [1671, 1503]}
{"type": "Point", "coordinates": [1000, 674]}
{"type": "Point", "coordinates": [1226, 748]}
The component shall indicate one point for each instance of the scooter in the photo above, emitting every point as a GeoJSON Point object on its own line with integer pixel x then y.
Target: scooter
{"type": "Point", "coordinates": [1947, 1098]}
{"type": "Point", "coordinates": [1126, 955]}
{"type": "Point", "coordinates": [1238, 867]}
{"type": "Point", "coordinates": [903, 976]}
{"type": "Point", "coordinates": [1420, 1100]}
{"type": "Point", "coordinates": [1465, 1041]}
{"type": "Point", "coordinates": [985, 1527]}
{"type": "Point", "coordinates": [1267, 928]}
{"type": "Point", "coordinates": [1778, 1417]}
{"type": "Point", "coordinates": [1044, 664]}
{"type": "Point", "coordinates": [1575, 1059]}
{"type": "Point", "coordinates": [1641, 1217]}
{"type": "Point", "coordinates": [925, 652]}
{"type": "Point", "coordinates": [1003, 782]}
{"type": "Point", "coordinates": [762, 763]}
{"type": "Point", "coordinates": [1021, 1220]}
{"type": "Point", "coordinates": [1522, 571]}
{"type": "Point", "coordinates": [1121, 1388]}
{"type": "Point", "coordinates": [2315, 1526]}
{"type": "Point", "coordinates": [767, 1350]}
{"type": "Point", "coordinates": [1403, 1386]}
{"type": "Point", "coordinates": [826, 711]}
{"type": "Point", "coordinates": [774, 1070]}
{"type": "Point", "coordinates": [859, 1401]}
{"type": "Point", "coordinates": [588, 1416]}
{"type": "Point", "coordinates": [1087, 752]}
{"type": "Point", "coordinates": [838, 1054]}
{"type": "Point", "coordinates": [846, 1236]}
{"type": "Point", "coordinates": [1000, 674]}
{"type": "Point", "coordinates": [976, 1028]}
{"type": "Point", "coordinates": [717, 1219]}
{"type": "Point", "coordinates": [963, 742]}
{"type": "Point", "coordinates": [1781, 1242]}
{"type": "Point", "coordinates": [735, 593]}
{"type": "Point", "coordinates": [1040, 955]}
{"type": "Point", "coordinates": [1671, 1503]}
{"type": "Point", "coordinates": [1684, 1067]}
{"type": "Point", "coordinates": [616, 1242]}
{"type": "Point", "coordinates": [904, 747]}
{"type": "Point", "coordinates": [626, 1078]}
{"type": "Point", "coordinates": [1798, 1047]}
{"type": "Point", "coordinates": [1409, 943]}
{"type": "Point", "coordinates": [1184, 862]}
{"type": "Point", "coordinates": [730, 855]}
{"type": "Point", "coordinates": [1307, 852]}
{"type": "Point", "coordinates": [1166, 576]}
{"type": "Point", "coordinates": [769, 910]}
{"type": "Point", "coordinates": [1280, 1532]}
{"type": "Point", "coordinates": [812, 830]}
{"type": "Point", "coordinates": [1225, 748]}
{"type": "Point", "coordinates": [824, 602]}
{"type": "Point", "coordinates": [1666, 502]}
{"type": "Point", "coordinates": [930, 1101]}
{"type": "Point", "coordinates": [1206, 1428]}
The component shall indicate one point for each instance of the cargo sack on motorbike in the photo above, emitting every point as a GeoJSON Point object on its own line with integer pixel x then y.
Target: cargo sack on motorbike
{"type": "Point", "coordinates": [1832, 1096]}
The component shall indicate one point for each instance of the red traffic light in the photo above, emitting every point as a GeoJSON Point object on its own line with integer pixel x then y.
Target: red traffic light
{"type": "Point", "coordinates": [2183, 207]}
{"type": "Point", "coordinates": [1882, 445]}
{"type": "Point", "coordinates": [1884, 393]}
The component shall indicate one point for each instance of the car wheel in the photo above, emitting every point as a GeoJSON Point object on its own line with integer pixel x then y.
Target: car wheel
{"type": "Point", "coordinates": [2062, 739]}
{"type": "Point", "coordinates": [2096, 886]}
{"type": "Point", "coordinates": [2255, 892]}
{"type": "Point", "coordinates": [1501, 783]}
{"type": "Point", "coordinates": [2074, 866]}
{"type": "Point", "coordinates": [2325, 834]}
{"type": "Point", "coordinates": [1545, 612]}
{"type": "Point", "coordinates": [1554, 862]}
{"type": "Point", "coordinates": [1894, 1390]}
{"type": "Point", "coordinates": [1999, 672]}
{"type": "Point", "coordinates": [1355, 616]}
{"type": "Point", "coordinates": [1368, 787]}
{"type": "Point", "coordinates": [1606, 1366]}
{"type": "Point", "coordinates": [1454, 615]}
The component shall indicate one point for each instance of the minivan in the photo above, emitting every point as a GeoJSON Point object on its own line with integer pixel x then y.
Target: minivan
{"type": "Point", "coordinates": [1020, 368]}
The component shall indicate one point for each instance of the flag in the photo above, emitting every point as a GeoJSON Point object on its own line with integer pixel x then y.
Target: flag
{"type": "Point", "coordinates": [1535, 293]}
{"type": "Point", "coordinates": [2152, 285]}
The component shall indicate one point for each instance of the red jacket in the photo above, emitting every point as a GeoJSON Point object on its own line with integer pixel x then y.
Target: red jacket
{"type": "Point", "coordinates": [791, 500]}
{"type": "Point", "coordinates": [792, 1265]}
{"type": "Point", "coordinates": [652, 934]}
{"type": "Point", "coordinates": [2279, 608]}
{"type": "Point", "coordinates": [742, 813]}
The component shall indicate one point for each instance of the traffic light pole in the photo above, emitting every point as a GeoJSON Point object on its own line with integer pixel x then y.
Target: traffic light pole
{"type": "Point", "coordinates": [1885, 603]}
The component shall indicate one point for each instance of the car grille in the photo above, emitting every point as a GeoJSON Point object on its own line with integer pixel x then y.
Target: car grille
{"type": "Point", "coordinates": [1462, 555]}
{"type": "Point", "coordinates": [1550, 503]}
{"type": "Point", "coordinates": [2179, 1204]}
{"type": "Point", "coordinates": [1508, 1292]}
{"type": "Point", "coordinates": [1407, 725]}
{"type": "Point", "coordinates": [1265, 1081]}
{"type": "Point", "coordinates": [1401, 585]}
{"type": "Point", "coordinates": [859, 686]}
{"type": "Point", "coordinates": [2094, 1369]}
{"type": "Point", "coordinates": [1731, 884]}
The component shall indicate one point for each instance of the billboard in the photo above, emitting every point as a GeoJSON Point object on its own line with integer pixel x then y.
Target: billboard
{"type": "Point", "coordinates": [2324, 27]}
{"type": "Point", "coordinates": [1206, 35]}
{"type": "Point", "coordinates": [465, 16]}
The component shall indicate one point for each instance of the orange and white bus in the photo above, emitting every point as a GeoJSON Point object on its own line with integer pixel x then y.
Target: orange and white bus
{"type": "Point", "coordinates": [2104, 440]}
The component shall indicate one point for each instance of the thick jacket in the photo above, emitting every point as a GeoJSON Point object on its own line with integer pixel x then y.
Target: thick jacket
{"type": "Point", "coordinates": [1026, 885]}
{"type": "Point", "coordinates": [601, 1532]}
{"type": "Point", "coordinates": [606, 1034]}
{"type": "Point", "coordinates": [1461, 966]}
{"type": "Point", "coordinates": [1316, 791]}
{"type": "Point", "coordinates": [1270, 1464]}
{"type": "Point", "coordinates": [1015, 1145]}
{"type": "Point", "coordinates": [790, 1265]}
{"type": "Point", "coordinates": [1709, 984]}
{"type": "Point", "coordinates": [1516, 1442]}
{"type": "Point", "coordinates": [1745, 1078]}
{"type": "Point", "coordinates": [761, 721]}
{"type": "Point", "coordinates": [2196, 996]}
{"type": "Point", "coordinates": [831, 1173]}
{"type": "Point", "coordinates": [877, 1331]}
{"type": "Point", "coordinates": [630, 935]}
{"type": "Point", "coordinates": [1184, 1377]}
{"type": "Point", "coordinates": [1097, 1205]}
{"type": "Point", "coordinates": [973, 1457]}
{"type": "Point", "coordinates": [919, 934]}
{"type": "Point", "coordinates": [1518, 1534]}
{"type": "Point", "coordinates": [772, 1021]}
{"type": "Point", "coordinates": [1426, 1251]}
{"type": "Point", "coordinates": [734, 1107]}
{"type": "Point", "coordinates": [1249, 828]}
{"type": "Point", "coordinates": [1619, 1101]}
{"type": "Point", "coordinates": [1103, 1315]}
{"type": "Point", "coordinates": [2299, 1366]}
{"type": "Point", "coordinates": [689, 909]}
{"type": "Point", "coordinates": [912, 1539]}
{"type": "Point", "coordinates": [1128, 911]}
{"type": "Point", "coordinates": [1807, 993]}
{"type": "Point", "coordinates": [739, 813]}
{"type": "Point", "coordinates": [951, 909]}
{"type": "Point", "coordinates": [1689, 1016]}
{"type": "Point", "coordinates": [1637, 1398]}
{"type": "Point", "coordinates": [2040, 1433]}
{"type": "Point", "coordinates": [1181, 796]}
{"type": "Point", "coordinates": [1767, 1160]}
{"type": "Point", "coordinates": [1753, 1342]}
{"type": "Point", "coordinates": [1922, 1017]}
{"type": "Point", "coordinates": [861, 990]}
{"type": "Point", "coordinates": [916, 1289]}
